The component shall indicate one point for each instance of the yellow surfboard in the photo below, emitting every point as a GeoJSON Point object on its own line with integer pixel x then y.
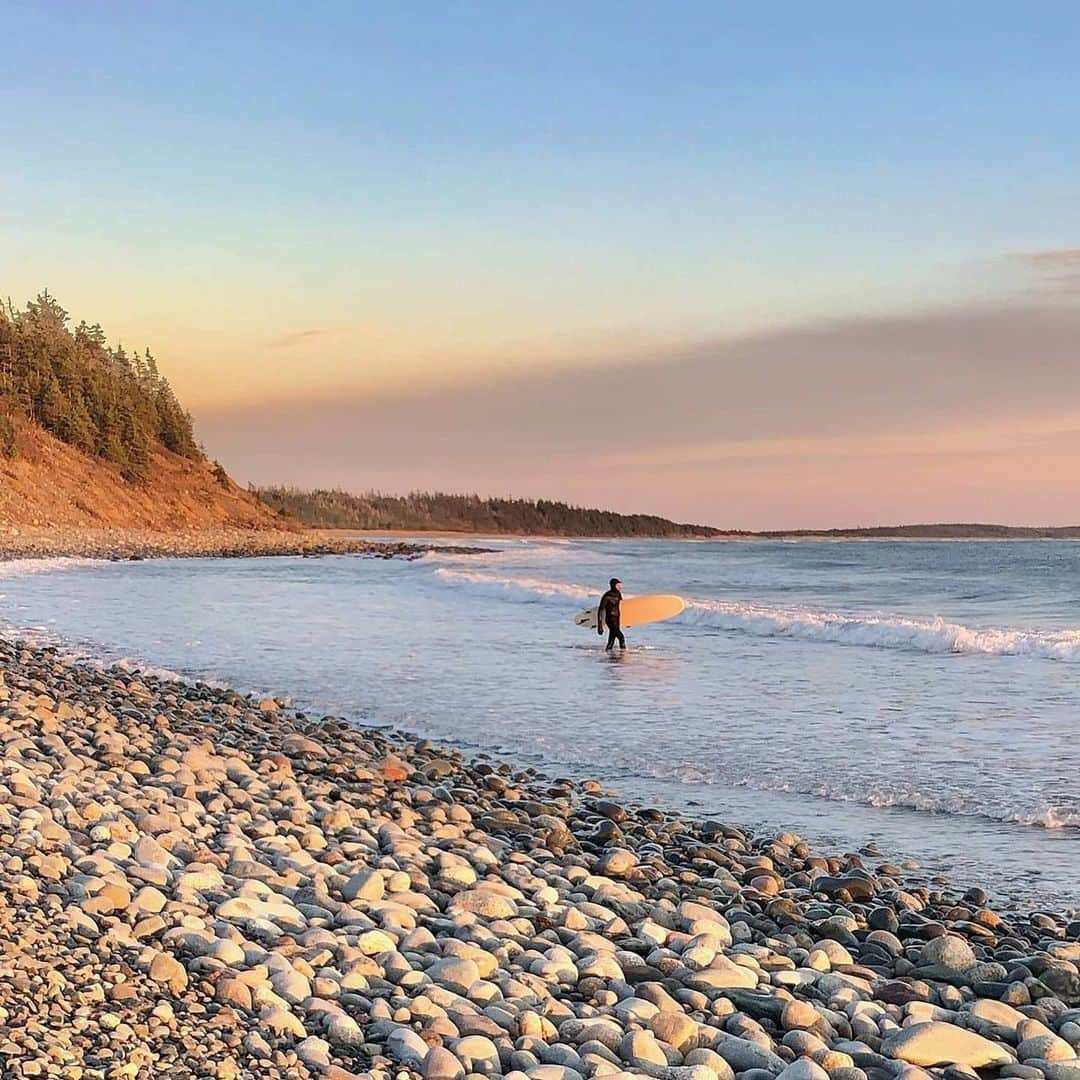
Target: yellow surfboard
{"type": "Point", "coordinates": [638, 610]}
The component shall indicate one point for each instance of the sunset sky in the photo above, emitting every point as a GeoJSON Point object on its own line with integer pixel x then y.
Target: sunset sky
{"type": "Point", "coordinates": [753, 265]}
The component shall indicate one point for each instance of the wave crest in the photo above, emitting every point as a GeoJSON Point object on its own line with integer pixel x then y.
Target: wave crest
{"type": "Point", "coordinates": [934, 635]}
{"type": "Point", "coordinates": [866, 630]}
{"type": "Point", "coordinates": [1043, 815]}
{"type": "Point", "coordinates": [524, 590]}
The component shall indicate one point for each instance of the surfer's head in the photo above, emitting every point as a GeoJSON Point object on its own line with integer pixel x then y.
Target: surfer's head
{"type": "Point", "coordinates": [615, 583]}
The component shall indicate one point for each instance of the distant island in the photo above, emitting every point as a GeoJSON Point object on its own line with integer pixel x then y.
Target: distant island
{"type": "Point", "coordinates": [928, 532]}
{"type": "Point", "coordinates": [423, 511]}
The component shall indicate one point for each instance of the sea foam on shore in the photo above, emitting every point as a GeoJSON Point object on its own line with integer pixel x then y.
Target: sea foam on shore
{"type": "Point", "coordinates": [196, 884]}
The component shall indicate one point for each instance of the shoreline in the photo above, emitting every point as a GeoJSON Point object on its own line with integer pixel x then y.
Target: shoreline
{"type": "Point", "coordinates": [41, 542]}
{"type": "Point", "coordinates": [136, 544]}
{"type": "Point", "coordinates": [216, 884]}
{"type": "Point", "coordinates": [722, 538]}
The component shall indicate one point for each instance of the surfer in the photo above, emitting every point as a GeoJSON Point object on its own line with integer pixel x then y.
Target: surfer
{"type": "Point", "coordinates": [608, 615]}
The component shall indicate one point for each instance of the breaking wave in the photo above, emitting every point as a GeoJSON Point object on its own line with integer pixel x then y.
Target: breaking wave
{"type": "Point", "coordinates": [1019, 811]}
{"type": "Point", "coordinates": [19, 567]}
{"type": "Point", "coordinates": [934, 635]}
{"type": "Point", "coordinates": [524, 590]}
{"type": "Point", "coordinates": [868, 630]}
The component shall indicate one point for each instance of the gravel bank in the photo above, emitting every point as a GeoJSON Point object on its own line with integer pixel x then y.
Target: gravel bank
{"type": "Point", "coordinates": [34, 543]}
{"type": "Point", "coordinates": [198, 884]}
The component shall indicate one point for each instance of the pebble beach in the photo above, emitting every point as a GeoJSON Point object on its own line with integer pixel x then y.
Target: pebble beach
{"type": "Point", "coordinates": [197, 883]}
{"type": "Point", "coordinates": [33, 542]}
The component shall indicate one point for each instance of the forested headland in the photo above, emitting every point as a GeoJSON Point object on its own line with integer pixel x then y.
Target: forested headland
{"type": "Point", "coordinates": [436, 511]}
{"type": "Point", "coordinates": [91, 395]}
{"type": "Point", "coordinates": [93, 437]}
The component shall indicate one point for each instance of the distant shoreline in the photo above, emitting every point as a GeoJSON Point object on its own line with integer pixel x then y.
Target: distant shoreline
{"type": "Point", "coordinates": [427, 513]}
{"type": "Point", "coordinates": [134, 544]}
{"type": "Point", "coordinates": [872, 534]}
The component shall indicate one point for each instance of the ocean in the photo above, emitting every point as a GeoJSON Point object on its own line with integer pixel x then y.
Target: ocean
{"type": "Point", "coordinates": [921, 696]}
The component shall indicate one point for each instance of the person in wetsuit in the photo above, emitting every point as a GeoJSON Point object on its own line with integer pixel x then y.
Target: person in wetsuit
{"type": "Point", "coordinates": [608, 615]}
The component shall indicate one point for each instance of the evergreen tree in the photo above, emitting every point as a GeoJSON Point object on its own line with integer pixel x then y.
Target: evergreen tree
{"type": "Point", "coordinates": [466, 513]}
{"type": "Point", "coordinates": [9, 442]}
{"type": "Point", "coordinates": [96, 398]}
{"type": "Point", "coordinates": [136, 465]}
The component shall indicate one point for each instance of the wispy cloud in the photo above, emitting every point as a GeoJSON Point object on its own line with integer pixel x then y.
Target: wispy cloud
{"type": "Point", "coordinates": [1051, 259]}
{"type": "Point", "coordinates": [318, 333]}
{"type": "Point", "coordinates": [1055, 268]}
{"type": "Point", "coordinates": [923, 415]}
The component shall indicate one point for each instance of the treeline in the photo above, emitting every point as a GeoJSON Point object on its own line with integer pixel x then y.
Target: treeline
{"type": "Point", "coordinates": [434, 511]}
{"type": "Point", "coordinates": [88, 394]}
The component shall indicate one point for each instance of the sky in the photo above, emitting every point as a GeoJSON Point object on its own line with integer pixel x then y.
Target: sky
{"type": "Point", "coordinates": [759, 266]}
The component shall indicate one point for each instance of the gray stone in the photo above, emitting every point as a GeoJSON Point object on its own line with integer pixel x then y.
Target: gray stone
{"type": "Point", "coordinates": [742, 1055]}
{"type": "Point", "coordinates": [455, 973]}
{"type": "Point", "coordinates": [365, 885]}
{"type": "Point", "coordinates": [804, 1069]}
{"type": "Point", "coordinates": [936, 1043]}
{"type": "Point", "coordinates": [676, 1029]}
{"type": "Point", "coordinates": [476, 1050]}
{"type": "Point", "coordinates": [313, 1051]}
{"type": "Point", "coordinates": [1048, 1047]}
{"type": "Point", "coordinates": [1057, 1070]}
{"type": "Point", "coordinates": [640, 1048]}
{"type": "Point", "coordinates": [439, 1064]}
{"type": "Point", "coordinates": [948, 953]}
{"type": "Point", "coordinates": [405, 1045]}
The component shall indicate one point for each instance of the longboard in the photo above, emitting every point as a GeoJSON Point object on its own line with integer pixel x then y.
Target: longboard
{"type": "Point", "coordinates": [638, 610]}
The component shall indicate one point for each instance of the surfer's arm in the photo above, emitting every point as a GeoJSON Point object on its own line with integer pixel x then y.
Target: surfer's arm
{"type": "Point", "coordinates": [600, 617]}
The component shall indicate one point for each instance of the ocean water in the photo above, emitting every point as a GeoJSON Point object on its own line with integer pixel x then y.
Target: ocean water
{"type": "Point", "coordinates": [923, 696]}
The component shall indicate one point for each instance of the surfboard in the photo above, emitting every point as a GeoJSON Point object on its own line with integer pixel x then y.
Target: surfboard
{"type": "Point", "coordinates": [638, 610]}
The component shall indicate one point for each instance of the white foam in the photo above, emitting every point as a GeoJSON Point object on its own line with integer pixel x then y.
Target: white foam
{"type": "Point", "coordinates": [19, 567]}
{"type": "Point", "coordinates": [933, 635]}
{"type": "Point", "coordinates": [957, 803]}
{"type": "Point", "coordinates": [525, 590]}
{"type": "Point", "coordinates": [526, 551]}
{"type": "Point", "coordinates": [137, 667]}
{"type": "Point", "coordinates": [877, 631]}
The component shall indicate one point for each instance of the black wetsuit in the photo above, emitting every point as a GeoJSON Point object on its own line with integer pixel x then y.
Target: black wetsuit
{"type": "Point", "coordinates": [609, 617]}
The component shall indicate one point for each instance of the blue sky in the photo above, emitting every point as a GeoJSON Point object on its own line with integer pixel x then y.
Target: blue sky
{"type": "Point", "coordinates": [436, 193]}
{"type": "Point", "coordinates": [845, 142]}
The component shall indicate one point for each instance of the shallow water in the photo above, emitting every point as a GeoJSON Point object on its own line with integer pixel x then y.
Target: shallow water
{"type": "Point", "coordinates": [924, 695]}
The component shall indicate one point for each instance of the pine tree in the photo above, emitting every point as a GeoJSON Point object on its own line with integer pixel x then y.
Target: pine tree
{"type": "Point", "coordinates": [9, 441]}
{"type": "Point", "coordinates": [136, 465]}
{"type": "Point", "coordinates": [98, 399]}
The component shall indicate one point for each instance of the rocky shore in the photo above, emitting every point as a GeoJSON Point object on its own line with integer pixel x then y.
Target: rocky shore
{"type": "Point", "coordinates": [198, 884]}
{"type": "Point", "coordinates": [76, 542]}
